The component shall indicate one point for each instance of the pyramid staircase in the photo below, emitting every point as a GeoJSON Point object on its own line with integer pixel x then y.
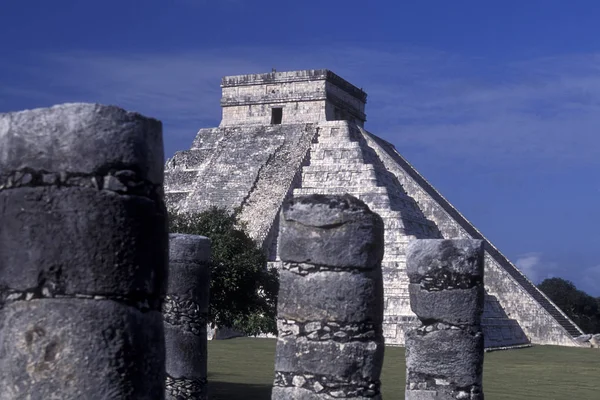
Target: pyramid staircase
{"type": "Point", "coordinates": [340, 163]}
{"type": "Point", "coordinates": [551, 308]}
{"type": "Point", "coordinates": [465, 228]}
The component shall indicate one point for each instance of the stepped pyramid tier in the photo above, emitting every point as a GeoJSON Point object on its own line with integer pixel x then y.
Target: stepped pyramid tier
{"type": "Point", "coordinates": [302, 132]}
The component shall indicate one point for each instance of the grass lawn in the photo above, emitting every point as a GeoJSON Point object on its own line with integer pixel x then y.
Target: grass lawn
{"type": "Point", "coordinates": [242, 368]}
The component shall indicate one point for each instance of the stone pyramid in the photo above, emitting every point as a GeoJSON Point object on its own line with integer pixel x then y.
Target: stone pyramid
{"type": "Point", "coordinates": [302, 132]}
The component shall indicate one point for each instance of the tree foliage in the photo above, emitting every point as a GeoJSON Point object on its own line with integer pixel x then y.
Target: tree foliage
{"type": "Point", "coordinates": [243, 290]}
{"type": "Point", "coordinates": [582, 308]}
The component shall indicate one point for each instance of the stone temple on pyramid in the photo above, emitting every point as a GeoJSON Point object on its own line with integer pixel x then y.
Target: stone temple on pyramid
{"type": "Point", "coordinates": [302, 132]}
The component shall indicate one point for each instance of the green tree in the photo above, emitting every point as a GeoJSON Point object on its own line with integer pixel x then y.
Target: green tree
{"type": "Point", "coordinates": [582, 308]}
{"type": "Point", "coordinates": [243, 290]}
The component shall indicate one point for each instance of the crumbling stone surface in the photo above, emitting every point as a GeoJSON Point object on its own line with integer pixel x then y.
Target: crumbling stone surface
{"type": "Point", "coordinates": [83, 254]}
{"type": "Point", "coordinates": [210, 173]}
{"type": "Point", "coordinates": [185, 315]}
{"type": "Point", "coordinates": [331, 230]}
{"type": "Point", "coordinates": [330, 304]}
{"type": "Point", "coordinates": [72, 348]}
{"type": "Point", "coordinates": [444, 355]}
{"type": "Point", "coordinates": [186, 388]}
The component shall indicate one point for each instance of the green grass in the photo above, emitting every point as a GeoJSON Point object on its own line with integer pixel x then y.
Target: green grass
{"type": "Point", "coordinates": [242, 368]}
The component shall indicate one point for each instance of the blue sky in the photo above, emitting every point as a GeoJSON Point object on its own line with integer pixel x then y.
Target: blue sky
{"type": "Point", "coordinates": [497, 104]}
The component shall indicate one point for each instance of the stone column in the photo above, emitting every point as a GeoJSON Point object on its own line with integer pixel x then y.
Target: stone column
{"type": "Point", "coordinates": [444, 355]}
{"type": "Point", "coordinates": [185, 313]}
{"type": "Point", "coordinates": [330, 304]}
{"type": "Point", "coordinates": [83, 254]}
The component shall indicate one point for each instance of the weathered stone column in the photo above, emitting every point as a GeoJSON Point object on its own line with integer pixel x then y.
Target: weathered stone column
{"type": "Point", "coordinates": [185, 312]}
{"type": "Point", "coordinates": [330, 304]}
{"type": "Point", "coordinates": [444, 356]}
{"type": "Point", "coordinates": [83, 254]}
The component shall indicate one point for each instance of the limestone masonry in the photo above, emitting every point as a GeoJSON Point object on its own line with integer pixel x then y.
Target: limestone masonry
{"type": "Point", "coordinates": [83, 254]}
{"type": "Point", "coordinates": [185, 313]}
{"type": "Point", "coordinates": [330, 304]}
{"type": "Point", "coordinates": [302, 133]}
{"type": "Point", "coordinates": [444, 354]}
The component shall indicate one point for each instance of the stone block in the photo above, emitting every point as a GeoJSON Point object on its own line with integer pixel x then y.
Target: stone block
{"type": "Point", "coordinates": [185, 315]}
{"type": "Point", "coordinates": [82, 138]}
{"type": "Point", "coordinates": [454, 354]}
{"type": "Point", "coordinates": [456, 307]}
{"type": "Point", "coordinates": [185, 353]}
{"type": "Point", "coordinates": [338, 231]}
{"type": "Point", "coordinates": [421, 395]}
{"type": "Point", "coordinates": [343, 297]}
{"type": "Point", "coordinates": [360, 361]}
{"type": "Point", "coordinates": [448, 263]}
{"type": "Point", "coordinates": [189, 269]}
{"type": "Point", "coordinates": [295, 393]}
{"type": "Point", "coordinates": [83, 349]}
{"type": "Point", "coordinates": [82, 241]}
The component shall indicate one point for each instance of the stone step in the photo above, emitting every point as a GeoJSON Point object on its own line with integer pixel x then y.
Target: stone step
{"type": "Point", "coordinates": [396, 259]}
{"type": "Point", "coordinates": [392, 265]}
{"type": "Point", "coordinates": [174, 197]}
{"type": "Point", "coordinates": [406, 215]}
{"type": "Point", "coordinates": [337, 154]}
{"type": "Point", "coordinates": [319, 161]}
{"type": "Point", "coordinates": [335, 144]}
{"type": "Point", "coordinates": [332, 168]}
{"type": "Point", "coordinates": [328, 139]}
{"type": "Point", "coordinates": [180, 179]}
{"type": "Point", "coordinates": [353, 190]}
{"type": "Point", "coordinates": [396, 222]}
{"type": "Point", "coordinates": [340, 180]}
{"type": "Point", "coordinates": [543, 301]}
{"type": "Point", "coordinates": [335, 130]}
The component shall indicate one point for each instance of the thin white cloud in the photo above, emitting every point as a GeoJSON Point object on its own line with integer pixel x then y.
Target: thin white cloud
{"type": "Point", "coordinates": [530, 265]}
{"type": "Point", "coordinates": [453, 107]}
{"type": "Point", "coordinates": [537, 268]}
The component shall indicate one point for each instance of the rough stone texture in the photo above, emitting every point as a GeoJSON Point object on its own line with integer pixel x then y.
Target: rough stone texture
{"type": "Point", "coordinates": [90, 139]}
{"type": "Point", "coordinates": [456, 307]}
{"type": "Point", "coordinates": [124, 262]}
{"type": "Point", "coordinates": [444, 355]}
{"type": "Point", "coordinates": [307, 301]}
{"type": "Point", "coordinates": [250, 164]}
{"type": "Point", "coordinates": [329, 313]}
{"type": "Point", "coordinates": [80, 349]}
{"type": "Point", "coordinates": [312, 240]}
{"type": "Point", "coordinates": [83, 254]}
{"type": "Point", "coordinates": [185, 317]}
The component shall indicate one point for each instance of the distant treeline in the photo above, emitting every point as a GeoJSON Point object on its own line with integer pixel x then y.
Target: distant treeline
{"type": "Point", "coordinates": [582, 308]}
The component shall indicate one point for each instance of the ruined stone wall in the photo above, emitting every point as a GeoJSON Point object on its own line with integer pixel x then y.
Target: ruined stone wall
{"type": "Point", "coordinates": [502, 279]}
{"type": "Point", "coordinates": [273, 184]}
{"type": "Point", "coordinates": [248, 166]}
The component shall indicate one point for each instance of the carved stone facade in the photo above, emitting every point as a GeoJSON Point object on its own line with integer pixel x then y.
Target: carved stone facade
{"type": "Point", "coordinates": [300, 133]}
